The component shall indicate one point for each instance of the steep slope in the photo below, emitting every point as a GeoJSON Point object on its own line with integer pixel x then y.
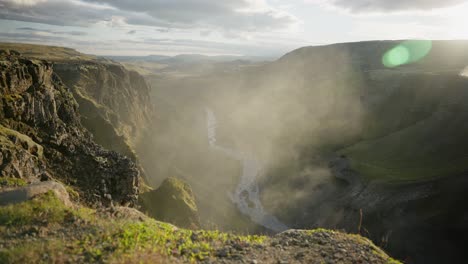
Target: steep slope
{"type": "Point", "coordinates": [401, 133]}
{"type": "Point", "coordinates": [114, 103]}
{"type": "Point", "coordinates": [43, 137]}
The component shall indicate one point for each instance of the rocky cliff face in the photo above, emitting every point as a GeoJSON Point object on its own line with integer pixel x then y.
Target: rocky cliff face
{"type": "Point", "coordinates": [114, 103]}
{"type": "Point", "coordinates": [43, 135]}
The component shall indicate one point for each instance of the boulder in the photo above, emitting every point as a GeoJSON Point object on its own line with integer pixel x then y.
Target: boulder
{"type": "Point", "coordinates": [23, 194]}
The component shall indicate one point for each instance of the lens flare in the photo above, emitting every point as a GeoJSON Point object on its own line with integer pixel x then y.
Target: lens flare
{"type": "Point", "coordinates": [409, 51]}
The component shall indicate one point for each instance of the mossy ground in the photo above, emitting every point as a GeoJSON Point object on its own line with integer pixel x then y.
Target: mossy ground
{"type": "Point", "coordinates": [61, 234]}
{"type": "Point", "coordinates": [11, 182]}
{"type": "Point", "coordinates": [43, 230]}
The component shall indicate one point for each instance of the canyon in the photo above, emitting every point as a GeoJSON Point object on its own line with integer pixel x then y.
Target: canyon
{"type": "Point", "coordinates": [323, 137]}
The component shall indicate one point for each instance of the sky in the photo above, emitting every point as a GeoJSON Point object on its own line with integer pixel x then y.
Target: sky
{"type": "Point", "coordinates": [224, 27]}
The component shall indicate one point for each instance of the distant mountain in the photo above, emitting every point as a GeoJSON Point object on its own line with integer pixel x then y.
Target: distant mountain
{"type": "Point", "coordinates": [149, 58]}
{"type": "Point", "coordinates": [188, 58]}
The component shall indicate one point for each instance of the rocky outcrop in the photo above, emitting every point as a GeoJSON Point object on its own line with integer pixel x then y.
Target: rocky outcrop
{"type": "Point", "coordinates": [306, 246]}
{"type": "Point", "coordinates": [172, 202]}
{"type": "Point", "coordinates": [42, 125]}
{"type": "Point", "coordinates": [23, 194]}
{"type": "Point", "coordinates": [20, 156]}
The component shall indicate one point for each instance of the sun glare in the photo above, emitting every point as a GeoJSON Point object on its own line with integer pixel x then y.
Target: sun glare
{"type": "Point", "coordinates": [407, 52]}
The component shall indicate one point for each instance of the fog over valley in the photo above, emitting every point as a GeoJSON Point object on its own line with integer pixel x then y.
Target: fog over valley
{"type": "Point", "coordinates": [240, 131]}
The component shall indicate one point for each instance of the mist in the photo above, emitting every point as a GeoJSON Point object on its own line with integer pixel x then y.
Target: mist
{"type": "Point", "coordinates": [290, 115]}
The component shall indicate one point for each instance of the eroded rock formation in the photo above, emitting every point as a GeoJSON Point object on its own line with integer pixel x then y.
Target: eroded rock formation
{"type": "Point", "coordinates": [43, 135]}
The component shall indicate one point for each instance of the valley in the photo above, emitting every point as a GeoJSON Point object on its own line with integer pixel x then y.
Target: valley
{"type": "Point", "coordinates": [247, 148]}
{"type": "Point", "coordinates": [395, 130]}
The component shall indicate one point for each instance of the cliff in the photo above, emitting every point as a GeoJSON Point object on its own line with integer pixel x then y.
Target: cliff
{"type": "Point", "coordinates": [43, 136]}
{"type": "Point", "coordinates": [114, 103]}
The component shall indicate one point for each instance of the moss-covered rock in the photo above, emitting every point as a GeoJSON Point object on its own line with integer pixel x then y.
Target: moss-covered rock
{"type": "Point", "coordinates": [21, 194]}
{"type": "Point", "coordinates": [20, 157]}
{"type": "Point", "coordinates": [172, 202]}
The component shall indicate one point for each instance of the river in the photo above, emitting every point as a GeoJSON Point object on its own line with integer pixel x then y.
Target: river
{"type": "Point", "coordinates": [246, 196]}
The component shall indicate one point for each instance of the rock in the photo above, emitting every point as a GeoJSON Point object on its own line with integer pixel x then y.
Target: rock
{"type": "Point", "coordinates": [116, 106]}
{"type": "Point", "coordinates": [41, 128]}
{"type": "Point", "coordinates": [194, 237]}
{"type": "Point", "coordinates": [299, 255]}
{"type": "Point", "coordinates": [20, 156]}
{"type": "Point", "coordinates": [172, 202]}
{"type": "Point", "coordinates": [122, 212]}
{"type": "Point", "coordinates": [23, 194]}
{"type": "Point", "coordinates": [238, 246]}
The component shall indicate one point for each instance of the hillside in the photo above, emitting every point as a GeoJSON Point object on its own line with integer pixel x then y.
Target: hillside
{"type": "Point", "coordinates": [67, 195]}
{"type": "Point", "coordinates": [387, 142]}
{"type": "Point", "coordinates": [343, 137]}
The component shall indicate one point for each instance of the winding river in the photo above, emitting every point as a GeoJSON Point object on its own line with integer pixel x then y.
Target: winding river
{"type": "Point", "coordinates": [246, 196]}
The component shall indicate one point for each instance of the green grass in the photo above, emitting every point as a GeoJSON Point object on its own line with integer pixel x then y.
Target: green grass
{"type": "Point", "coordinates": [43, 209]}
{"type": "Point", "coordinates": [124, 240]}
{"type": "Point", "coordinates": [102, 239]}
{"type": "Point", "coordinates": [82, 235]}
{"type": "Point", "coordinates": [413, 131]}
{"type": "Point", "coordinates": [429, 149]}
{"type": "Point", "coordinates": [11, 182]}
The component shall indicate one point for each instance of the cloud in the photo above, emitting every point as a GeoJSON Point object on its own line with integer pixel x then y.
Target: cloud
{"type": "Point", "coordinates": [232, 15]}
{"type": "Point", "coordinates": [55, 12]}
{"type": "Point", "coordinates": [364, 6]}
{"type": "Point", "coordinates": [36, 30]}
{"type": "Point", "coordinates": [229, 14]}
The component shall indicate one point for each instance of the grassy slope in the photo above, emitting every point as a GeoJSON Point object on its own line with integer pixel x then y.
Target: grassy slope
{"type": "Point", "coordinates": [417, 134]}
{"type": "Point", "coordinates": [46, 52]}
{"type": "Point", "coordinates": [44, 230]}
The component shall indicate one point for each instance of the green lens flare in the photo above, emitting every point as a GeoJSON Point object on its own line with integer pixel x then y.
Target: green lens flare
{"type": "Point", "coordinates": [397, 56]}
{"type": "Point", "coordinates": [409, 51]}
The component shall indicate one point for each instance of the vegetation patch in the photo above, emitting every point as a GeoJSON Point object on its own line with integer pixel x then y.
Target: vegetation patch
{"type": "Point", "coordinates": [91, 237]}
{"type": "Point", "coordinates": [43, 209]}
{"type": "Point", "coordinates": [11, 182]}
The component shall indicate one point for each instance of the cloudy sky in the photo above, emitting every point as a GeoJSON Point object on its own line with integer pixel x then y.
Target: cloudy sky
{"type": "Point", "coordinates": [236, 27]}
